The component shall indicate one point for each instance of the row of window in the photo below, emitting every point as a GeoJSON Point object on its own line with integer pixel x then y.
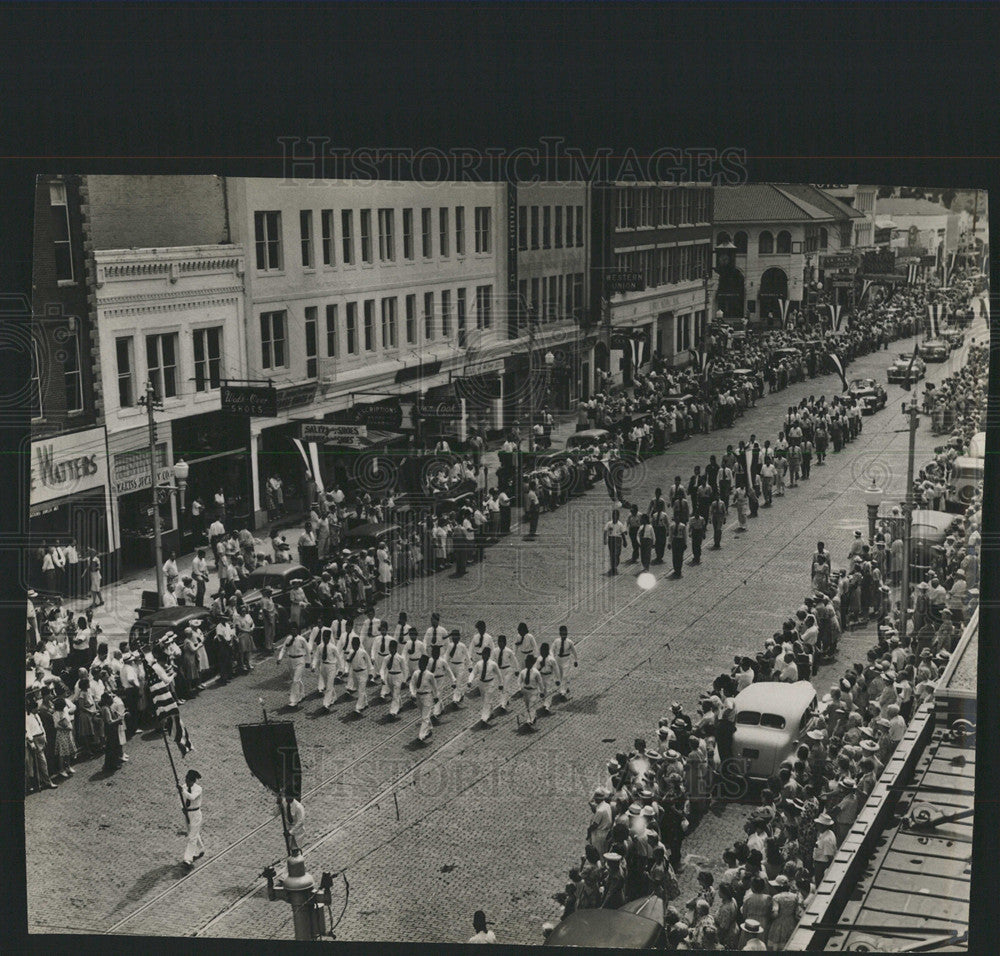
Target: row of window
{"type": "Point", "coordinates": [162, 365]}
{"type": "Point", "coordinates": [648, 206]}
{"type": "Point", "coordinates": [550, 298]}
{"type": "Point", "coordinates": [549, 227]}
{"type": "Point", "coordinates": [816, 240]}
{"type": "Point", "coordinates": [372, 321]}
{"type": "Point", "coordinates": [339, 244]}
{"type": "Point", "coordinates": [667, 266]}
{"type": "Point", "coordinates": [72, 376]}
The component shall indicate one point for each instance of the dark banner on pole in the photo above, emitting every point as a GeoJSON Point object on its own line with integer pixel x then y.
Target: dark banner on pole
{"type": "Point", "coordinates": [272, 755]}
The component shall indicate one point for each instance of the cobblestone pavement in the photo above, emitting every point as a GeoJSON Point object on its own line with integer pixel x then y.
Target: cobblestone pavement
{"type": "Point", "coordinates": [478, 818]}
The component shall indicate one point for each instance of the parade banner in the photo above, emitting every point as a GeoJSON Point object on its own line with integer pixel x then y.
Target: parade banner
{"type": "Point", "coordinates": [272, 754]}
{"type": "Point", "coordinates": [783, 305]}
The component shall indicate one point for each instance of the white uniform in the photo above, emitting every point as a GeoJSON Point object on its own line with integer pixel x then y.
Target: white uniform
{"type": "Point", "coordinates": [530, 682]}
{"type": "Point", "coordinates": [458, 659]}
{"type": "Point", "coordinates": [296, 647]}
{"type": "Point", "coordinates": [192, 804]}
{"type": "Point", "coordinates": [444, 675]}
{"type": "Point", "coordinates": [549, 671]}
{"type": "Point", "coordinates": [328, 661]}
{"type": "Point", "coordinates": [435, 636]}
{"type": "Point", "coordinates": [525, 646]}
{"type": "Point", "coordinates": [379, 655]}
{"type": "Point", "coordinates": [565, 652]}
{"type": "Point", "coordinates": [368, 633]}
{"type": "Point", "coordinates": [506, 661]}
{"type": "Point", "coordinates": [342, 635]}
{"type": "Point", "coordinates": [423, 687]}
{"type": "Point", "coordinates": [413, 650]}
{"type": "Point", "coordinates": [395, 671]}
{"type": "Point", "coordinates": [296, 820]}
{"type": "Point", "coordinates": [488, 679]}
{"type": "Point", "coordinates": [359, 666]}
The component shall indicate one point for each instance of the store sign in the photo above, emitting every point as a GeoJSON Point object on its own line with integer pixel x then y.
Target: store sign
{"type": "Point", "coordinates": [512, 240]}
{"type": "Point", "coordinates": [131, 470]}
{"type": "Point", "coordinates": [616, 282]}
{"type": "Point", "coordinates": [842, 283]}
{"type": "Point", "coordinates": [252, 401]}
{"type": "Point", "coordinates": [387, 416]}
{"type": "Point", "coordinates": [296, 396]}
{"type": "Point", "coordinates": [66, 464]}
{"type": "Point", "coordinates": [841, 260]}
{"type": "Point", "coordinates": [325, 433]}
{"type": "Point", "coordinates": [908, 261]}
{"type": "Point", "coordinates": [484, 368]}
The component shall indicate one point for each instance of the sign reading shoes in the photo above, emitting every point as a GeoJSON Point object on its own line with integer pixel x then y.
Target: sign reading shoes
{"type": "Point", "coordinates": [324, 433]}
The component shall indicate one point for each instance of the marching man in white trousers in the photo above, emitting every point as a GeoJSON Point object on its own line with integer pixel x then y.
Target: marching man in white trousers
{"type": "Point", "coordinates": [487, 677]}
{"type": "Point", "coordinates": [506, 662]}
{"type": "Point", "coordinates": [191, 798]}
{"type": "Point", "coordinates": [548, 668]}
{"type": "Point", "coordinates": [414, 649]}
{"type": "Point", "coordinates": [380, 654]}
{"type": "Point", "coordinates": [359, 666]}
{"type": "Point", "coordinates": [395, 671]}
{"type": "Point", "coordinates": [297, 648]}
{"type": "Point", "coordinates": [423, 686]}
{"type": "Point", "coordinates": [530, 682]}
{"type": "Point", "coordinates": [457, 656]}
{"type": "Point", "coordinates": [327, 660]}
{"type": "Point", "coordinates": [565, 651]}
{"type": "Point", "coordinates": [443, 674]}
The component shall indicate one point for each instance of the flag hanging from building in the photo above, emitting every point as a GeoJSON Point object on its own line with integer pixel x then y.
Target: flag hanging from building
{"type": "Point", "coordinates": [865, 286]}
{"type": "Point", "coordinates": [165, 707]}
{"type": "Point", "coordinates": [935, 314]}
{"type": "Point", "coordinates": [838, 367]}
{"type": "Point", "coordinates": [947, 268]}
{"type": "Point", "coordinates": [783, 305]}
{"type": "Point", "coordinates": [702, 361]}
{"type": "Point", "coordinates": [638, 345]}
{"type": "Point", "coordinates": [912, 273]}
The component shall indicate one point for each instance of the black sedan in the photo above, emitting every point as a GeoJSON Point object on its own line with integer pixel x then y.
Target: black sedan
{"type": "Point", "coordinates": [279, 578]}
{"type": "Point", "coordinates": [869, 393]}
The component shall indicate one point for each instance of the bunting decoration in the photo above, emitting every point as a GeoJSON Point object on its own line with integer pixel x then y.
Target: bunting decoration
{"type": "Point", "coordinates": [865, 286]}
{"type": "Point", "coordinates": [935, 313]}
{"type": "Point", "coordinates": [702, 360]}
{"type": "Point", "coordinates": [838, 367]}
{"type": "Point", "coordinates": [836, 314]}
{"type": "Point", "coordinates": [946, 270]}
{"type": "Point", "coordinates": [783, 305]}
{"type": "Point", "coordinates": [638, 346]}
{"type": "Point", "coordinates": [912, 273]}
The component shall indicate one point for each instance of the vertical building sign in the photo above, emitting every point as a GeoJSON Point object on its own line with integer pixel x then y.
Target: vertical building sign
{"type": "Point", "coordinates": [513, 305]}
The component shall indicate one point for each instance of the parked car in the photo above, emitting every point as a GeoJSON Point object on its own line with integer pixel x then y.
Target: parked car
{"type": "Point", "coordinates": [967, 475]}
{"type": "Point", "coordinates": [279, 578]}
{"type": "Point", "coordinates": [636, 925]}
{"type": "Point", "coordinates": [587, 438]}
{"type": "Point", "coordinates": [928, 529]}
{"type": "Point", "coordinates": [954, 337]}
{"type": "Point", "coordinates": [770, 719]}
{"type": "Point", "coordinates": [152, 625]}
{"type": "Point", "coordinates": [369, 535]}
{"type": "Point", "coordinates": [869, 393]}
{"type": "Point", "coordinates": [898, 370]}
{"type": "Point", "coordinates": [935, 350]}
{"type": "Point", "coordinates": [977, 445]}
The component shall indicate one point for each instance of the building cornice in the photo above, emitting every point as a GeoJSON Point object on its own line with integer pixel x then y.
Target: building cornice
{"type": "Point", "coordinates": [122, 265]}
{"type": "Point", "coordinates": [120, 307]}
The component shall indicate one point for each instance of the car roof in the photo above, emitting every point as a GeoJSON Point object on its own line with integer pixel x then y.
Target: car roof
{"type": "Point", "coordinates": [589, 433]}
{"type": "Point", "coordinates": [284, 571]}
{"type": "Point", "coordinates": [605, 929]}
{"type": "Point", "coordinates": [174, 615]}
{"type": "Point", "coordinates": [774, 698]}
{"type": "Point", "coordinates": [371, 528]}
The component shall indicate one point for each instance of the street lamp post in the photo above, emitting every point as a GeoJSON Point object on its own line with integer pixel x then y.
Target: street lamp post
{"type": "Point", "coordinates": [181, 470]}
{"type": "Point", "coordinates": [873, 498]}
{"type": "Point", "coordinates": [531, 384]}
{"type": "Point", "coordinates": [908, 519]}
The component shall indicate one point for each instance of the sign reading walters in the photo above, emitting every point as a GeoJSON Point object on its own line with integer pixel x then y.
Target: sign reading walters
{"type": "Point", "coordinates": [66, 464]}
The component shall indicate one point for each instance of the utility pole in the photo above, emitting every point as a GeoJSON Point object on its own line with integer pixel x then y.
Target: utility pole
{"type": "Point", "coordinates": [908, 515]}
{"type": "Point", "coordinates": [151, 403]}
{"type": "Point", "coordinates": [531, 383]}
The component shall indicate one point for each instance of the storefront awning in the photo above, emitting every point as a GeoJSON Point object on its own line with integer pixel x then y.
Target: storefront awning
{"type": "Point", "coordinates": [378, 437]}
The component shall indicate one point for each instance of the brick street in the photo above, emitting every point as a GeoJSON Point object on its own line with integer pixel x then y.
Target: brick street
{"type": "Point", "coordinates": [478, 818]}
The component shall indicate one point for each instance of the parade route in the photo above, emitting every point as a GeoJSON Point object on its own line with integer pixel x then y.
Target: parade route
{"type": "Point", "coordinates": [476, 818]}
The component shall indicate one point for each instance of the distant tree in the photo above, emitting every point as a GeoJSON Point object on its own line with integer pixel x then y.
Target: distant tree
{"type": "Point", "coordinates": [948, 197]}
{"type": "Point", "coordinates": [886, 192]}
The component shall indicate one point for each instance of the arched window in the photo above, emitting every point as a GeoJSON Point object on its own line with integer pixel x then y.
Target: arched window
{"type": "Point", "coordinates": [722, 239]}
{"type": "Point", "coordinates": [765, 243]}
{"type": "Point", "coordinates": [740, 241]}
{"type": "Point", "coordinates": [784, 243]}
{"type": "Point", "coordinates": [822, 237]}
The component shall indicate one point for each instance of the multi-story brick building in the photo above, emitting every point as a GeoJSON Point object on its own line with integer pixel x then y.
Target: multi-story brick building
{"type": "Point", "coordinates": [368, 302]}
{"type": "Point", "coordinates": [660, 235]}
